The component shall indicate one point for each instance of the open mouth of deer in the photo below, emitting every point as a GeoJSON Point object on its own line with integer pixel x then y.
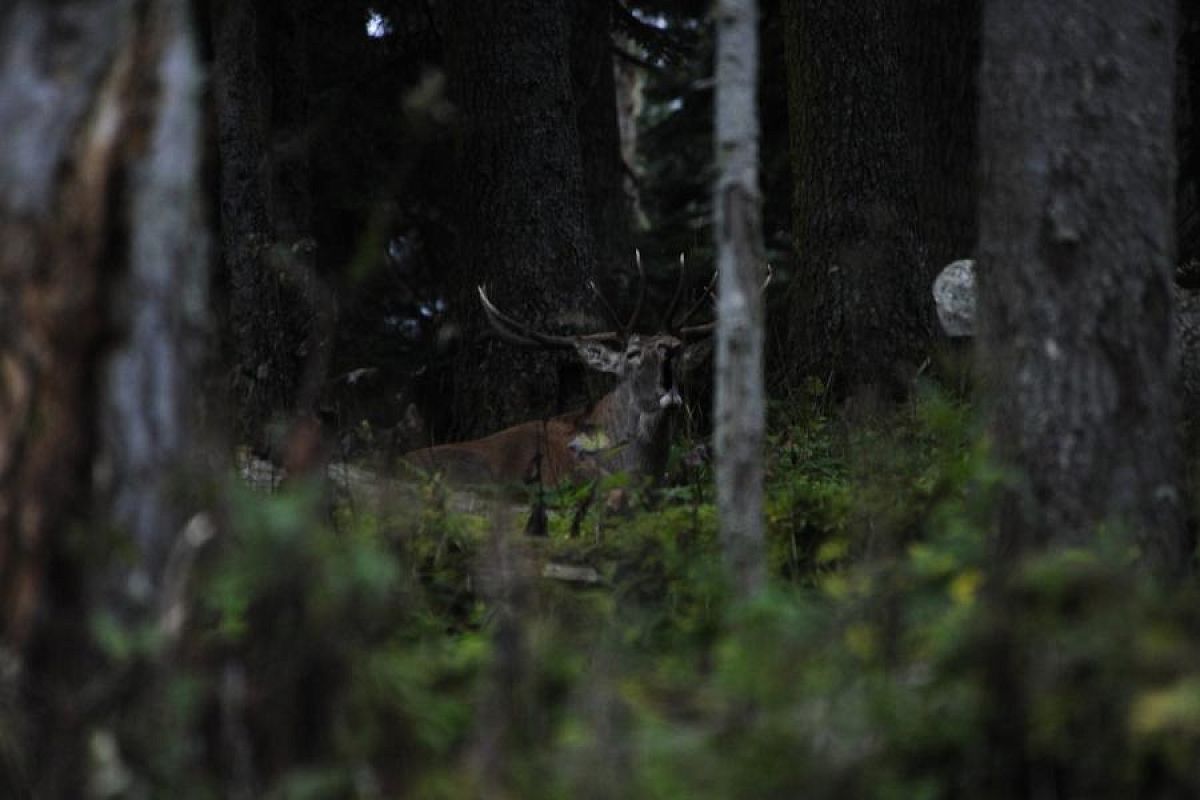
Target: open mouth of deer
{"type": "Point", "coordinates": [669, 396]}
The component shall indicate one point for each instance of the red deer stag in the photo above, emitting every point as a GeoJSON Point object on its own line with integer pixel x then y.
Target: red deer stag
{"type": "Point", "coordinates": [628, 429]}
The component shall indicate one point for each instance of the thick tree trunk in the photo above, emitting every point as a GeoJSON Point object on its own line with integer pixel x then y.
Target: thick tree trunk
{"type": "Point", "coordinates": [523, 227]}
{"type": "Point", "coordinates": [279, 322]}
{"type": "Point", "coordinates": [882, 142]}
{"type": "Point", "coordinates": [243, 127]}
{"type": "Point", "coordinates": [939, 49]}
{"type": "Point", "coordinates": [102, 296]}
{"type": "Point", "coordinates": [740, 405]}
{"type": "Point", "coordinates": [1075, 264]}
{"type": "Point", "coordinates": [594, 82]}
{"type": "Point", "coordinates": [1187, 139]}
{"type": "Point", "coordinates": [60, 162]}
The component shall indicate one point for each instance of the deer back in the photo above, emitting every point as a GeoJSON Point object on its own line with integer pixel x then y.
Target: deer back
{"type": "Point", "coordinates": [534, 451]}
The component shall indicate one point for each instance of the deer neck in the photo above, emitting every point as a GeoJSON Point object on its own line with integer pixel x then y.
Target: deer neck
{"type": "Point", "coordinates": [640, 438]}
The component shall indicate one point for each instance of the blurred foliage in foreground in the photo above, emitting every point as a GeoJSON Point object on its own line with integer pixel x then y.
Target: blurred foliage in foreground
{"type": "Point", "coordinates": [334, 654]}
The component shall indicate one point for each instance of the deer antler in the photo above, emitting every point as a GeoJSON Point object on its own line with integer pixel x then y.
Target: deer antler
{"type": "Point", "coordinates": [670, 315]}
{"type": "Point", "coordinates": [641, 296]}
{"type": "Point", "coordinates": [624, 328]}
{"type": "Point", "coordinates": [708, 327]}
{"type": "Point", "coordinates": [607, 306]}
{"type": "Point", "coordinates": [522, 335]}
{"type": "Point", "coordinates": [707, 294]}
{"type": "Point", "coordinates": [516, 332]}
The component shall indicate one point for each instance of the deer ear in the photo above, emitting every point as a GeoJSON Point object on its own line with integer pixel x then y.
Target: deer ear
{"type": "Point", "coordinates": [597, 356]}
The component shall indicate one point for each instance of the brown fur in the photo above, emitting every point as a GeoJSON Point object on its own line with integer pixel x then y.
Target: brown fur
{"type": "Point", "coordinates": [510, 456]}
{"type": "Point", "coordinates": [627, 430]}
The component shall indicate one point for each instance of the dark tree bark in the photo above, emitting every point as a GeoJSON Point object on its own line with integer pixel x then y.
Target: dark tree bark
{"type": "Point", "coordinates": [594, 82]}
{"type": "Point", "coordinates": [939, 49]}
{"type": "Point", "coordinates": [1075, 264]}
{"type": "Point", "coordinates": [1187, 138]}
{"type": "Point", "coordinates": [522, 219]}
{"type": "Point", "coordinates": [280, 318]}
{"type": "Point", "coordinates": [243, 128]}
{"type": "Point", "coordinates": [102, 297]}
{"type": "Point", "coordinates": [880, 99]}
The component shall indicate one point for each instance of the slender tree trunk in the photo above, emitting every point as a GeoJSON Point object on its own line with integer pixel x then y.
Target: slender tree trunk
{"type": "Point", "coordinates": [737, 204]}
{"type": "Point", "coordinates": [1075, 264]}
{"type": "Point", "coordinates": [523, 226]}
{"type": "Point", "coordinates": [510, 719]}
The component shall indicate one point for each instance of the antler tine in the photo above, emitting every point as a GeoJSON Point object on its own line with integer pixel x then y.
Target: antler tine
{"type": "Point", "coordinates": [709, 327]}
{"type": "Point", "coordinates": [670, 315]}
{"type": "Point", "coordinates": [516, 332]}
{"type": "Point", "coordinates": [699, 304]}
{"type": "Point", "coordinates": [688, 331]}
{"type": "Point", "coordinates": [641, 295]}
{"type": "Point", "coordinates": [607, 306]}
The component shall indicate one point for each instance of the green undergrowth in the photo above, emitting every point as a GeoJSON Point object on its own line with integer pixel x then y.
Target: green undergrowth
{"type": "Point", "coordinates": [425, 653]}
